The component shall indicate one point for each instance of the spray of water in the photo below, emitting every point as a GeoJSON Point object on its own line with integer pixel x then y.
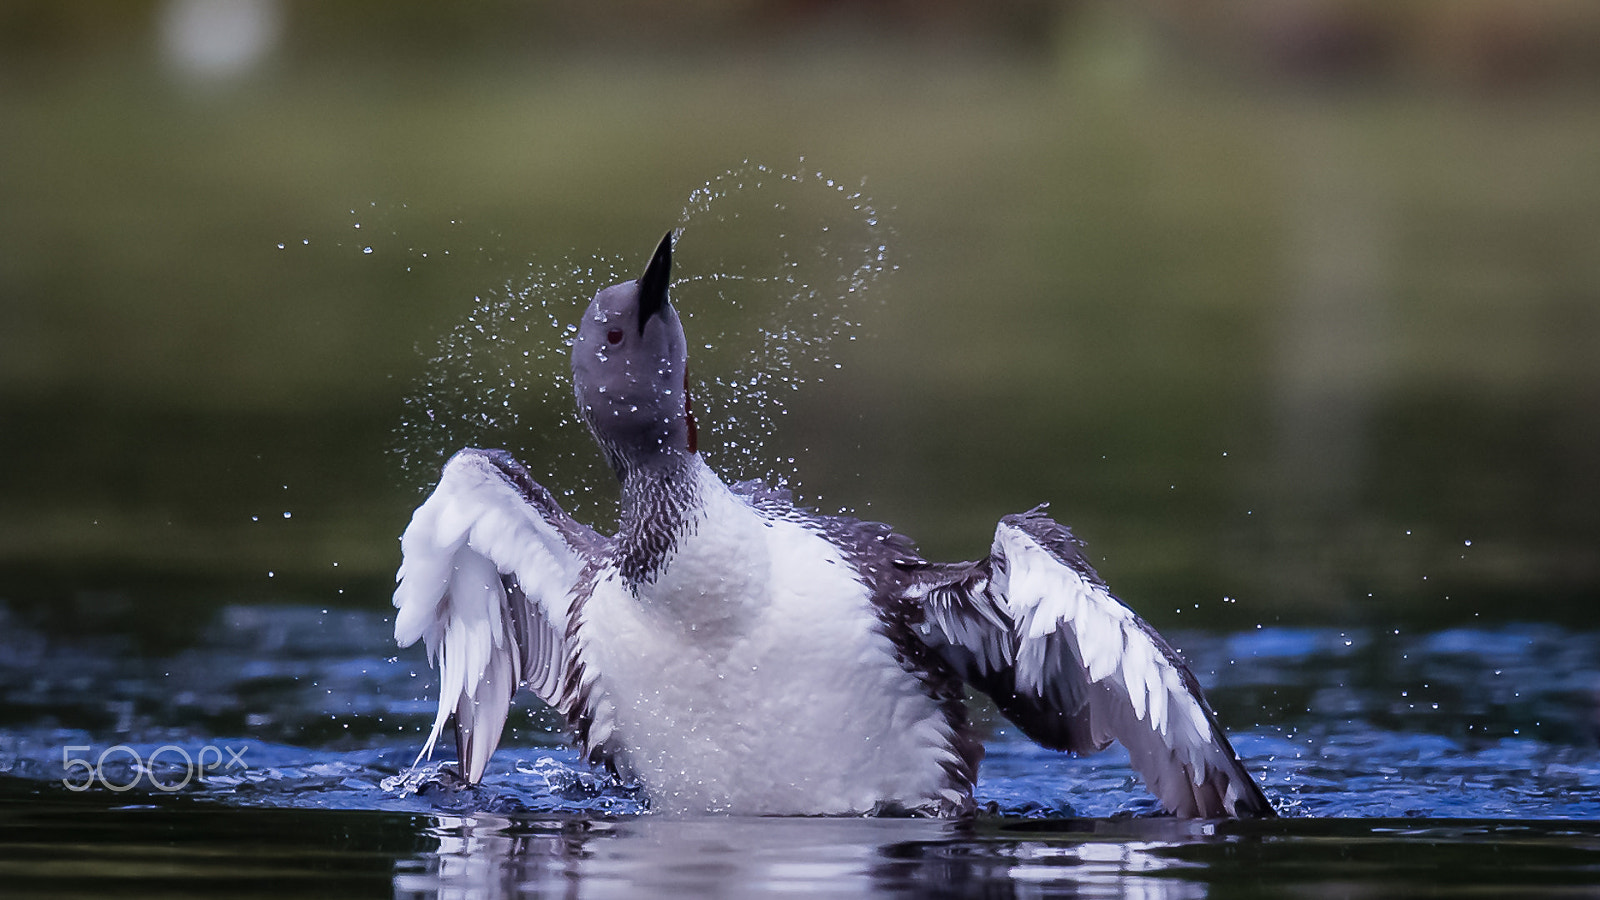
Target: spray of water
{"type": "Point", "coordinates": [773, 267]}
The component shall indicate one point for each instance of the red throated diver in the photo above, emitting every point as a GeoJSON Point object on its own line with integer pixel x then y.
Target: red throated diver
{"type": "Point", "coordinates": [735, 653]}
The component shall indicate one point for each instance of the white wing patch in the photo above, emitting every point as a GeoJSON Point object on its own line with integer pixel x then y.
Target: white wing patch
{"type": "Point", "coordinates": [475, 528]}
{"type": "Point", "coordinates": [1138, 693]}
{"type": "Point", "coordinates": [1044, 595]}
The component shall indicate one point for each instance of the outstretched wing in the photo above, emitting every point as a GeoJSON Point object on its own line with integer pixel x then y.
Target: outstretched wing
{"type": "Point", "coordinates": [489, 561]}
{"type": "Point", "coordinates": [1036, 629]}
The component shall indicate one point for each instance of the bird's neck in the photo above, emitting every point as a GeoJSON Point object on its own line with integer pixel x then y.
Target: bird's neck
{"type": "Point", "coordinates": [662, 501]}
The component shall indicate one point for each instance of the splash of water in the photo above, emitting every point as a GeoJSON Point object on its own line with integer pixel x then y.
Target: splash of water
{"type": "Point", "coordinates": [500, 378]}
{"type": "Point", "coordinates": [774, 267]}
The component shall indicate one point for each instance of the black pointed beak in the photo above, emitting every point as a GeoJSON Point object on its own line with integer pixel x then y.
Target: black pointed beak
{"type": "Point", "coordinates": [653, 283]}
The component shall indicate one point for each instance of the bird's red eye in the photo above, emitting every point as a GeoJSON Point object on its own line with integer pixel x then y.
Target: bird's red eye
{"type": "Point", "coordinates": [614, 336]}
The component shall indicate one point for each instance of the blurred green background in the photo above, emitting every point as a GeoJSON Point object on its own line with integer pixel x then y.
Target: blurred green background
{"type": "Point", "coordinates": [1292, 310]}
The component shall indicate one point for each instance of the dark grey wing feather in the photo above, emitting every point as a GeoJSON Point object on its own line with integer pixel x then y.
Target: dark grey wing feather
{"type": "Point", "coordinates": [1036, 629]}
{"type": "Point", "coordinates": [962, 621]}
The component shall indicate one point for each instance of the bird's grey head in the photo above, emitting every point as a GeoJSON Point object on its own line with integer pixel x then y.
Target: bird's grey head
{"type": "Point", "coordinates": [629, 366]}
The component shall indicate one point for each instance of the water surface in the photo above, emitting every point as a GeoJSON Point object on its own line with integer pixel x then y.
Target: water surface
{"type": "Point", "coordinates": [1448, 761]}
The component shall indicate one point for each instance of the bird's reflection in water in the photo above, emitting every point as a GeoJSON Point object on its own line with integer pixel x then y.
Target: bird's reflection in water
{"type": "Point", "coordinates": [488, 856]}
